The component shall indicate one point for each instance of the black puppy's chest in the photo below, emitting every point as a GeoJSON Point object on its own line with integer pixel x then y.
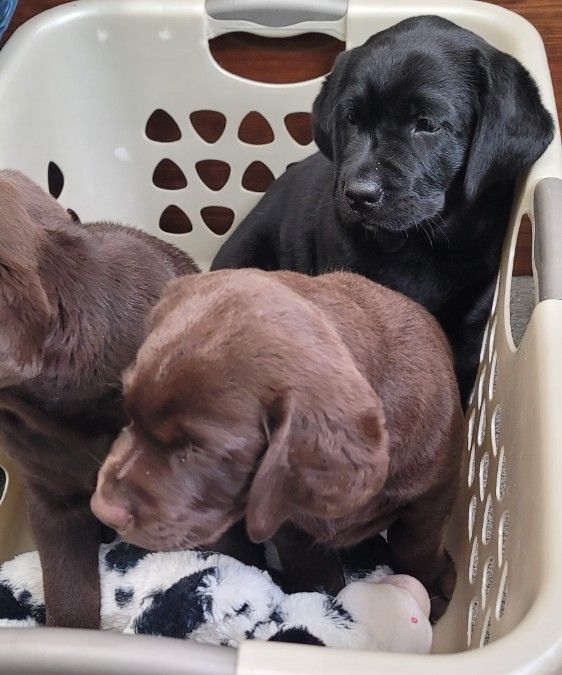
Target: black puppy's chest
{"type": "Point", "coordinates": [431, 273]}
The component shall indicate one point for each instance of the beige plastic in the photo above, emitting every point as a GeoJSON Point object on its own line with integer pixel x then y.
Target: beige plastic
{"type": "Point", "coordinates": [77, 86]}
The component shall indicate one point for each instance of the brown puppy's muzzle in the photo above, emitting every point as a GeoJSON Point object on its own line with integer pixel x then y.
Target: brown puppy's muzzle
{"type": "Point", "coordinates": [117, 515]}
{"type": "Point", "coordinates": [113, 502]}
{"type": "Point", "coordinates": [142, 494]}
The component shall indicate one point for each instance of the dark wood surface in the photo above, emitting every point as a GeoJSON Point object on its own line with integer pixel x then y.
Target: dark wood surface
{"type": "Point", "coordinates": [306, 56]}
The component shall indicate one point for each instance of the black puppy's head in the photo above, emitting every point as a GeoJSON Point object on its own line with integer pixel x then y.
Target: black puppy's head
{"type": "Point", "coordinates": [420, 108]}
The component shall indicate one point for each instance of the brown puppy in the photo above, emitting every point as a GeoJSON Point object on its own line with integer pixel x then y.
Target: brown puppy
{"type": "Point", "coordinates": [322, 410]}
{"type": "Point", "coordinates": [73, 303]}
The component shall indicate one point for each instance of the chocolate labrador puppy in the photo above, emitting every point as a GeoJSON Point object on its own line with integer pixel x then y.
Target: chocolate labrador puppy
{"type": "Point", "coordinates": [322, 410]}
{"type": "Point", "coordinates": [422, 131]}
{"type": "Point", "coordinates": [73, 302]}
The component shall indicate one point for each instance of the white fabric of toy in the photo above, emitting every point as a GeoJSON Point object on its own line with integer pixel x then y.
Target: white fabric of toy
{"type": "Point", "coordinates": [214, 599]}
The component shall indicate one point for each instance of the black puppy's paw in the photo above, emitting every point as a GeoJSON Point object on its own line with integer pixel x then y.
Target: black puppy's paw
{"type": "Point", "coordinates": [441, 588]}
{"type": "Point", "coordinates": [329, 579]}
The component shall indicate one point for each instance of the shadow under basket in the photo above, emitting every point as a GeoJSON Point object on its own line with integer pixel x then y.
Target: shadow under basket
{"type": "Point", "coordinates": [144, 127]}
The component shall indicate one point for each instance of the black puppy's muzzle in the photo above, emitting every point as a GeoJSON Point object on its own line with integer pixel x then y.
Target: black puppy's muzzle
{"type": "Point", "coordinates": [363, 197]}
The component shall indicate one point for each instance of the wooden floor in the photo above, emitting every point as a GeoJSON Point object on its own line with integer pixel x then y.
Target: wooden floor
{"type": "Point", "coordinates": [310, 57]}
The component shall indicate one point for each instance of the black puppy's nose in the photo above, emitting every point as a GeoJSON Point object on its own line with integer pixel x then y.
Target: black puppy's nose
{"type": "Point", "coordinates": [363, 195]}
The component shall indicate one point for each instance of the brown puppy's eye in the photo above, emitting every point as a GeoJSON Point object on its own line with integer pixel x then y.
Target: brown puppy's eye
{"type": "Point", "coordinates": [423, 124]}
{"type": "Point", "coordinates": [352, 118]}
{"type": "Point", "coordinates": [187, 448]}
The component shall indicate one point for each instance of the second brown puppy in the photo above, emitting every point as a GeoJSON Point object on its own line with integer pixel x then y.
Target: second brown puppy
{"type": "Point", "coordinates": [73, 304]}
{"type": "Point", "coordinates": [322, 410]}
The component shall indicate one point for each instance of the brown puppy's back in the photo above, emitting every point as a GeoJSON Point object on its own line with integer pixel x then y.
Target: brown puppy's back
{"type": "Point", "coordinates": [399, 347]}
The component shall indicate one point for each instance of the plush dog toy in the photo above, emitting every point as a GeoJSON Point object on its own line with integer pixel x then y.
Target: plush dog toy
{"type": "Point", "coordinates": [214, 599]}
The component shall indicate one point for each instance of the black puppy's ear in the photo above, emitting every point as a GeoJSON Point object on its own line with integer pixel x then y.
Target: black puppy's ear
{"type": "Point", "coordinates": [513, 128]}
{"type": "Point", "coordinates": [321, 123]}
{"type": "Point", "coordinates": [325, 463]}
{"type": "Point", "coordinates": [324, 109]}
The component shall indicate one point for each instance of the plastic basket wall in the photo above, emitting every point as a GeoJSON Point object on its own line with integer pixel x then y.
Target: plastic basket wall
{"type": "Point", "coordinates": [78, 86]}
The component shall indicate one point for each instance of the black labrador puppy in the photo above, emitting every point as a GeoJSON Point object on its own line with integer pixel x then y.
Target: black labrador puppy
{"type": "Point", "coordinates": [422, 130]}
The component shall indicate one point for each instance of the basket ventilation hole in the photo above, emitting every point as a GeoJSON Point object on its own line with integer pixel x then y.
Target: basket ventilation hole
{"type": "Point", "coordinates": [484, 342]}
{"type": "Point", "coordinates": [299, 126]}
{"type": "Point", "coordinates": [481, 383]}
{"type": "Point", "coordinates": [3, 483]}
{"type": "Point", "coordinates": [218, 219]}
{"type": "Point", "coordinates": [174, 221]}
{"type": "Point", "coordinates": [472, 617]}
{"type": "Point", "coordinates": [484, 467]}
{"type": "Point", "coordinates": [493, 376]}
{"type": "Point", "coordinates": [209, 124]}
{"type": "Point", "coordinates": [471, 466]}
{"type": "Point", "coordinates": [473, 568]}
{"type": "Point", "coordinates": [73, 215]}
{"type": "Point", "coordinates": [487, 577]}
{"type": "Point", "coordinates": [503, 532]}
{"type": "Point", "coordinates": [488, 524]}
{"type": "Point", "coordinates": [471, 421]}
{"type": "Point", "coordinates": [255, 129]}
{"type": "Point", "coordinates": [55, 180]}
{"type": "Point", "coordinates": [501, 482]}
{"type": "Point", "coordinates": [495, 300]}
{"type": "Point", "coordinates": [496, 428]}
{"type": "Point", "coordinates": [276, 60]}
{"type": "Point", "coordinates": [471, 516]}
{"type": "Point", "coordinates": [502, 595]}
{"type": "Point", "coordinates": [482, 425]}
{"type": "Point", "coordinates": [492, 339]}
{"type": "Point", "coordinates": [257, 177]}
{"type": "Point", "coordinates": [162, 127]}
{"type": "Point", "coordinates": [168, 176]}
{"type": "Point", "coordinates": [213, 173]}
{"type": "Point", "coordinates": [486, 631]}
{"type": "Point", "coordinates": [291, 165]}
{"type": "Point", "coordinates": [522, 295]}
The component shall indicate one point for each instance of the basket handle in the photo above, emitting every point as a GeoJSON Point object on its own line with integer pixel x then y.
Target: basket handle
{"type": "Point", "coordinates": [276, 18]}
{"type": "Point", "coordinates": [547, 247]}
{"type": "Point", "coordinates": [67, 652]}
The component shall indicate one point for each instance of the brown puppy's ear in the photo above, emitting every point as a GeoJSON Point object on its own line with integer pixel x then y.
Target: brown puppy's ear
{"type": "Point", "coordinates": [513, 127]}
{"type": "Point", "coordinates": [20, 415]}
{"type": "Point", "coordinates": [268, 505]}
{"type": "Point", "coordinates": [25, 312]}
{"type": "Point", "coordinates": [322, 463]}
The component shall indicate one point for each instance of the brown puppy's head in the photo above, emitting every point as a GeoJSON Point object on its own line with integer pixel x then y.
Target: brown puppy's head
{"type": "Point", "coordinates": [25, 312]}
{"type": "Point", "coordinates": [244, 402]}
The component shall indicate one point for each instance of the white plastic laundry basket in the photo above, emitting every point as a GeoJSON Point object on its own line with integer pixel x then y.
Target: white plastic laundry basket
{"type": "Point", "coordinates": [77, 87]}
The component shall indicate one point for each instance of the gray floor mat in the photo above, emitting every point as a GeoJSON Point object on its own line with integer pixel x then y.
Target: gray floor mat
{"type": "Point", "coordinates": [522, 304]}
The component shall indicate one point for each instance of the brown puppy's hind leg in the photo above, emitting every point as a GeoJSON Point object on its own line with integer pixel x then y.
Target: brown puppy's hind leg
{"type": "Point", "coordinates": [416, 542]}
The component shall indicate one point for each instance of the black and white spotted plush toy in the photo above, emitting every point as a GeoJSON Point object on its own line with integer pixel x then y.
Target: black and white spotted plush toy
{"type": "Point", "coordinates": [217, 600]}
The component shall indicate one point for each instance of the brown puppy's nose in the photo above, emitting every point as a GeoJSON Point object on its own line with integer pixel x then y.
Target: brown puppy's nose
{"type": "Point", "coordinates": [113, 514]}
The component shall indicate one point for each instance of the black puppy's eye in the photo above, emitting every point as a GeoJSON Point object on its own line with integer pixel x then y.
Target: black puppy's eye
{"type": "Point", "coordinates": [352, 118]}
{"type": "Point", "coordinates": [423, 124]}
